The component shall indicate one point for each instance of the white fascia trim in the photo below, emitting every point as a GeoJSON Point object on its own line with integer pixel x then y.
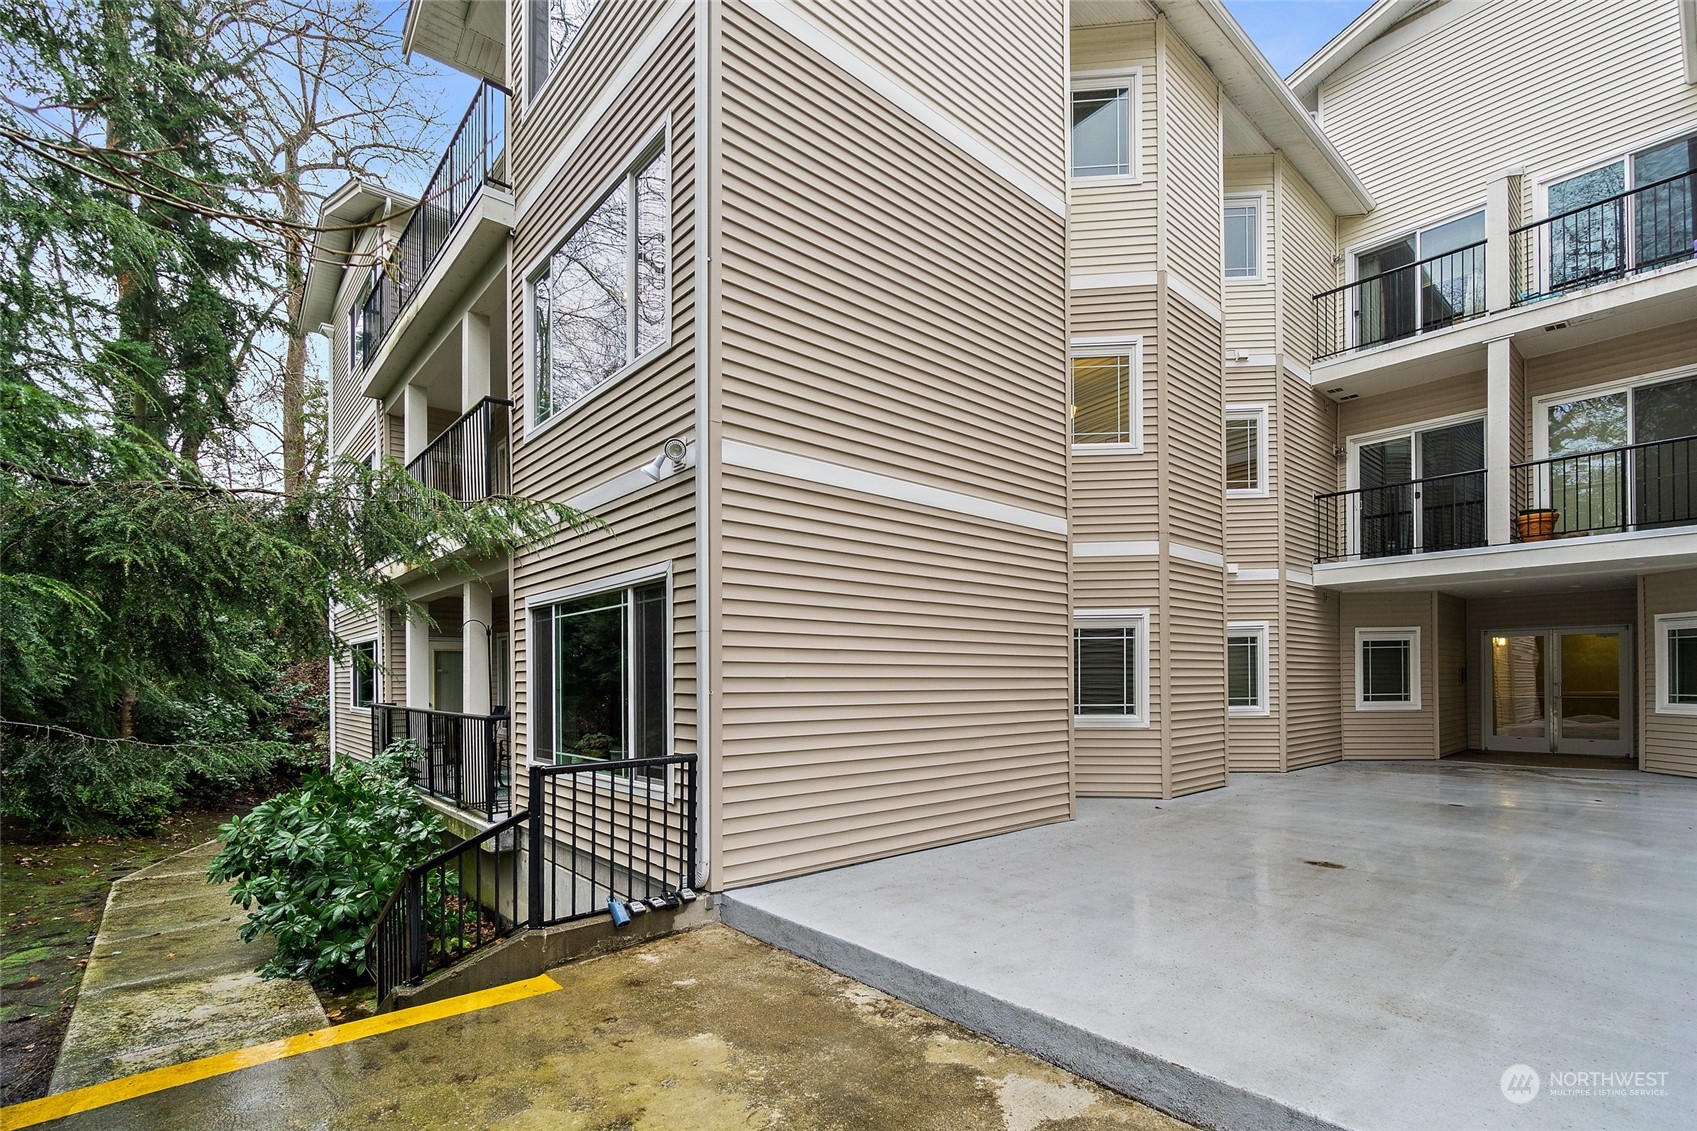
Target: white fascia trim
{"type": "Point", "coordinates": [1299, 577]}
{"type": "Point", "coordinates": [591, 117]}
{"type": "Point", "coordinates": [1191, 554]}
{"type": "Point", "coordinates": [736, 453]}
{"type": "Point", "coordinates": [1112, 280]}
{"type": "Point", "coordinates": [821, 41]}
{"type": "Point", "coordinates": [1194, 296]}
{"type": "Point", "coordinates": [1296, 368]}
{"type": "Point", "coordinates": [1254, 574]}
{"type": "Point", "coordinates": [1115, 550]}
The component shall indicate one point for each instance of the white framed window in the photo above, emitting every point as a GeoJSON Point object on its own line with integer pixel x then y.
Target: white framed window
{"type": "Point", "coordinates": [1242, 239]}
{"type": "Point", "coordinates": [1676, 664]}
{"type": "Point", "coordinates": [1246, 668]}
{"type": "Point", "coordinates": [553, 26]}
{"type": "Point", "coordinates": [1246, 451]}
{"type": "Point", "coordinates": [1104, 127]}
{"type": "Point", "coordinates": [1387, 669]}
{"type": "Point", "coordinates": [362, 674]}
{"type": "Point", "coordinates": [601, 302]}
{"type": "Point", "coordinates": [1107, 394]}
{"type": "Point", "coordinates": [1110, 667]}
{"type": "Point", "coordinates": [599, 668]}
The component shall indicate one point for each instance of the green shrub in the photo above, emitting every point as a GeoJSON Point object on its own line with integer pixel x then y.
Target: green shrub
{"type": "Point", "coordinates": [314, 866]}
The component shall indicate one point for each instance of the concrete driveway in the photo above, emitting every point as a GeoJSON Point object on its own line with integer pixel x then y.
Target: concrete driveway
{"type": "Point", "coordinates": [1370, 946]}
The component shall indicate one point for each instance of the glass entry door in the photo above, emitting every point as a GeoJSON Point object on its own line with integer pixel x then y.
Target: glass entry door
{"type": "Point", "coordinates": [1561, 691]}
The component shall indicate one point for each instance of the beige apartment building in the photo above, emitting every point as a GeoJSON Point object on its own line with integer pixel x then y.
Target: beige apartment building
{"type": "Point", "coordinates": [995, 404]}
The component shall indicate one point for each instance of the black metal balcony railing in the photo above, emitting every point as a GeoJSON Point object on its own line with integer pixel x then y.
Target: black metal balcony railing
{"type": "Point", "coordinates": [1636, 487]}
{"type": "Point", "coordinates": [466, 760]}
{"type": "Point", "coordinates": [592, 833]}
{"type": "Point", "coordinates": [472, 159]}
{"type": "Point", "coordinates": [1426, 295]}
{"type": "Point", "coordinates": [468, 460]}
{"type": "Point", "coordinates": [1422, 516]}
{"type": "Point", "coordinates": [1627, 234]}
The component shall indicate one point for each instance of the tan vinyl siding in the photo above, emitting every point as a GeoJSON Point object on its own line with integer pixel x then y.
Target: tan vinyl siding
{"type": "Point", "coordinates": [1252, 522]}
{"type": "Point", "coordinates": [1192, 427]}
{"type": "Point", "coordinates": [1616, 359]}
{"type": "Point", "coordinates": [1621, 81]}
{"type": "Point", "coordinates": [394, 651]}
{"type": "Point", "coordinates": [1192, 167]}
{"type": "Point", "coordinates": [1486, 615]}
{"type": "Point", "coordinates": [1435, 400]}
{"type": "Point", "coordinates": [1393, 733]}
{"type": "Point", "coordinates": [909, 325]}
{"type": "Point", "coordinates": [1668, 742]}
{"type": "Point", "coordinates": [353, 725]}
{"type": "Point", "coordinates": [1193, 656]}
{"type": "Point", "coordinates": [394, 437]}
{"type": "Point", "coordinates": [541, 126]}
{"type": "Point", "coordinates": [1450, 650]}
{"type": "Point", "coordinates": [1307, 434]}
{"type": "Point", "coordinates": [1307, 244]}
{"type": "Point", "coordinates": [1251, 309]}
{"type": "Point", "coordinates": [1122, 761]}
{"type": "Point", "coordinates": [997, 69]}
{"type": "Point", "coordinates": [1113, 227]}
{"type": "Point", "coordinates": [1253, 740]}
{"type": "Point", "coordinates": [1114, 495]}
{"type": "Point", "coordinates": [1309, 671]}
{"type": "Point", "coordinates": [1519, 409]}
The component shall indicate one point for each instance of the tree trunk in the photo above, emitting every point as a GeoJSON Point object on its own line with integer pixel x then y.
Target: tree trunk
{"type": "Point", "coordinates": [295, 252]}
{"type": "Point", "coordinates": [127, 714]}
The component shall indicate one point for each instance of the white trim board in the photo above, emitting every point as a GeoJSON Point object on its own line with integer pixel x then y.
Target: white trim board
{"type": "Point", "coordinates": [736, 453]}
{"type": "Point", "coordinates": [859, 68]}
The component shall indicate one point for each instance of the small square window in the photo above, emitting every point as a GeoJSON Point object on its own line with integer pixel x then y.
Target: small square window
{"type": "Point", "coordinates": [1246, 669]}
{"type": "Point", "coordinates": [1676, 664]}
{"type": "Point", "coordinates": [1246, 451]}
{"type": "Point", "coordinates": [1107, 395]}
{"type": "Point", "coordinates": [1242, 238]}
{"type": "Point", "coordinates": [1387, 669]}
{"type": "Point", "coordinates": [1110, 666]}
{"type": "Point", "coordinates": [362, 689]}
{"type": "Point", "coordinates": [1102, 130]}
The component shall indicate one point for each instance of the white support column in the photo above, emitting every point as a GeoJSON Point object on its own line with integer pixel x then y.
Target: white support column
{"type": "Point", "coordinates": [1499, 388]}
{"type": "Point", "coordinates": [415, 419]}
{"type": "Point", "coordinates": [1499, 218]}
{"type": "Point", "coordinates": [479, 614]}
{"type": "Point", "coordinates": [420, 663]}
{"type": "Point", "coordinates": [474, 360]}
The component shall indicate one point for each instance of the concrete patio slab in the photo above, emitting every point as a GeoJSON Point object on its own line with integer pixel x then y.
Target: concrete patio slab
{"type": "Point", "coordinates": [1368, 946]}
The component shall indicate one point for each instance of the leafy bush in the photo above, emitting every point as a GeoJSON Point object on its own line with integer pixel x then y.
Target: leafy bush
{"type": "Point", "coordinates": [314, 866]}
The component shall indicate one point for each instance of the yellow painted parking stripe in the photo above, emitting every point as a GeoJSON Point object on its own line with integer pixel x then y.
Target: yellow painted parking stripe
{"type": "Point", "coordinates": [58, 1106]}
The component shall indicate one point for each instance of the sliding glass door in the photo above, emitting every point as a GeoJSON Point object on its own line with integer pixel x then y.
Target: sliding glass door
{"type": "Point", "coordinates": [1444, 509]}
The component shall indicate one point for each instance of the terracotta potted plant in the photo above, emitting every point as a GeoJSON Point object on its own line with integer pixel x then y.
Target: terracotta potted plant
{"type": "Point", "coordinates": [1537, 524]}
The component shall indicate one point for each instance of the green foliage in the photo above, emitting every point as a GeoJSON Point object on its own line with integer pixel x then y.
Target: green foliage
{"type": "Point", "coordinates": [313, 867]}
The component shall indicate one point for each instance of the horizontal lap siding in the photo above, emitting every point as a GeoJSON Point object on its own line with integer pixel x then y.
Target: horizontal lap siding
{"type": "Point", "coordinates": [1114, 496]}
{"type": "Point", "coordinates": [1121, 761]}
{"type": "Point", "coordinates": [1616, 359]}
{"type": "Point", "coordinates": [1113, 227]}
{"type": "Point", "coordinates": [1310, 672]}
{"type": "Point", "coordinates": [1307, 244]}
{"type": "Point", "coordinates": [990, 66]}
{"type": "Point", "coordinates": [1252, 308]}
{"type": "Point", "coordinates": [892, 676]}
{"type": "Point", "coordinates": [1252, 522]}
{"type": "Point", "coordinates": [1253, 740]}
{"type": "Point", "coordinates": [353, 725]}
{"type": "Point", "coordinates": [1388, 734]}
{"type": "Point", "coordinates": [1435, 400]}
{"type": "Point", "coordinates": [1667, 743]}
{"type": "Point", "coordinates": [1194, 659]}
{"type": "Point", "coordinates": [1193, 406]}
{"type": "Point", "coordinates": [1450, 679]}
{"type": "Point", "coordinates": [1192, 170]}
{"type": "Point", "coordinates": [1496, 67]}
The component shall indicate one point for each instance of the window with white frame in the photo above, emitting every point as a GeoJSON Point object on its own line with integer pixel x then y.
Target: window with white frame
{"type": "Point", "coordinates": [1110, 666]}
{"type": "Point", "coordinates": [1387, 669]}
{"type": "Point", "coordinates": [554, 27]}
{"type": "Point", "coordinates": [362, 674]}
{"type": "Point", "coordinates": [1107, 394]}
{"type": "Point", "coordinates": [1246, 450]}
{"type": "Point", "coordinates": [602, 300]}
{"type": "Point", "coordinates": [599, 676]}
{"type": "Point", "coordinates": [1676, 664]}
{"type": "Point", "coordinates": [1104, 127]}
{"type": "Point", "coordinates": [1242, 238]}
{"type": "Point", "coordinates": [1246, 668]}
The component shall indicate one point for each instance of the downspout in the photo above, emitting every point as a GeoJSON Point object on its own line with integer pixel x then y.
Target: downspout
{"type": "Point", "coordinates": [706, 456]}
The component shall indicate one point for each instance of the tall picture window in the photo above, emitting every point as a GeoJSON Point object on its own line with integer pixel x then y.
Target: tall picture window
{"type": "Point", "coordinates": [362, 674]}
{"type": "Point", "coordinates": [1242, 238]}
{"type": "Point", "coordinates": [1246, 450]}
{"type": "Point", "coordinates": [602, 300]}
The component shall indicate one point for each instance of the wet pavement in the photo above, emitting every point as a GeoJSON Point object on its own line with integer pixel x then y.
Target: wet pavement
{"type": "Point", "coordinates": [704, 1030]}
{"type": "Point", "coordinates": [170, 979]}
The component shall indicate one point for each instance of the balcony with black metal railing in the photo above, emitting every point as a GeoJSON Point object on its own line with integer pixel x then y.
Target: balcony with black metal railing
{"type": "Point", "coordinates": [474, 159]}
{"type": "Point", "coordinates": [1431, 294]}
{"type": "Point", "coordinates": [1634, 232]}
{"type": "Point", "coordinates": [469, 459]}
{"type": "Point", "coordinates": [1635, 487]}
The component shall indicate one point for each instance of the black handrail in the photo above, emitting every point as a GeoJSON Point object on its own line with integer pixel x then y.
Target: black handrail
{"type": "Point", "coordinates": [468, 459]}
{"type": "Point", "coordinates": [1638, 230]}
{"type": "Point", "coordinates": [1428, 294]}
{"type": "Point", "coordinates": [1644, 486]}
{"type": "Point", "coordinates": [472, 159]}
{"type": "Point", "coordinates": [1417, 516]}
{"type": "Point", "coordinates": [466, 758]}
